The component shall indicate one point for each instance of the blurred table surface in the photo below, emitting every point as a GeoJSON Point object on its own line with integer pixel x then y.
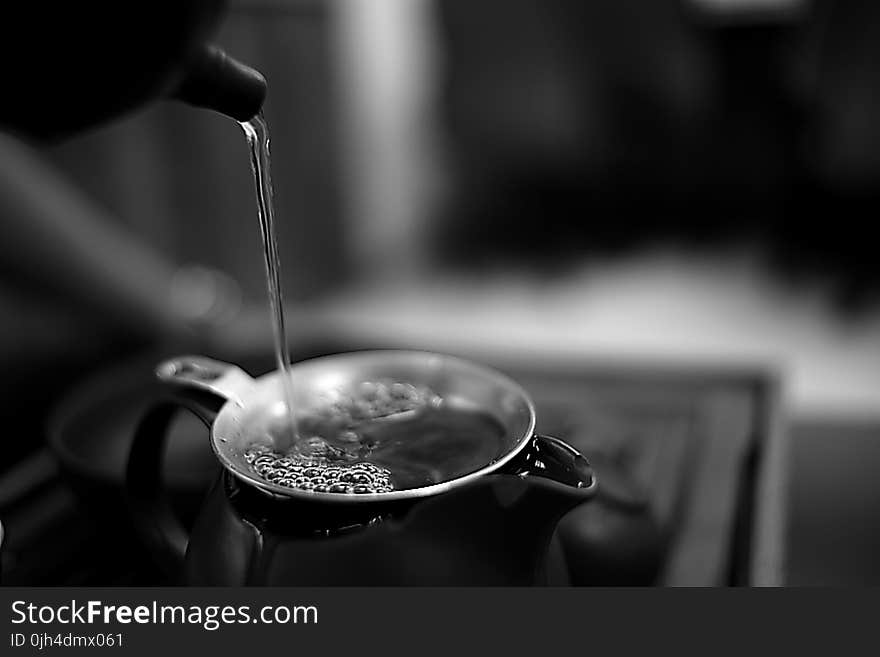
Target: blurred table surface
{"type": "Point", "coordinates": [655, 307]}
{"type": "Point", "coordinates": [703, 443]}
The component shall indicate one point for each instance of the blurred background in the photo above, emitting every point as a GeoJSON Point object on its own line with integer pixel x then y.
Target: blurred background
{"type": "Point", "coordinates": [658, 214]}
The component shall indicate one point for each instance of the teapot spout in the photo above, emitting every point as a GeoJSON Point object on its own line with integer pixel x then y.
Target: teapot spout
{"type": "Point", "coordinates": [545, 481]}
{"type": "Point", "coordinates": [217, 81]}
{"type": "Point", "coordinates": [559, 472]}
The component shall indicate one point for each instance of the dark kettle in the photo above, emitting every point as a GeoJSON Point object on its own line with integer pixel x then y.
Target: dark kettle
{"type": "Point", "coordinates": [68, 66]}
{"type": "Point", "coordinates": [488, 527]}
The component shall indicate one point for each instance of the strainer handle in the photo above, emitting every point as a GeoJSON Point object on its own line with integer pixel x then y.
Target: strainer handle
{"type": "Point", "coordinates": [212, 377]}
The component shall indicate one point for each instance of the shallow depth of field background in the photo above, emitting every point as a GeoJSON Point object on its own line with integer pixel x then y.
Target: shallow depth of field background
{"type": "Point", "coordinates": [679, 183]}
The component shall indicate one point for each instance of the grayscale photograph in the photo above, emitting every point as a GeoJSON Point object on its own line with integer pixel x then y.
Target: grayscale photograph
{"type": "Point", "coordinates": [567, 294]}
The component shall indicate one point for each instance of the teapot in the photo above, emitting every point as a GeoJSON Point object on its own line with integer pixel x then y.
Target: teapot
{"type": "Point", "coordinates": [73, 65]}
{"type": "Point", "coordinates": [491, 526]}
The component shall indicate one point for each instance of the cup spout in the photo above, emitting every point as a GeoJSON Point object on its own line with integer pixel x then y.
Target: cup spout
{"type": "Point", "coordinates": [552, 479]}
{"type": "Point", "coordinates": [217, 81]}
{"type": "Point", "coordinates": [555, 463]}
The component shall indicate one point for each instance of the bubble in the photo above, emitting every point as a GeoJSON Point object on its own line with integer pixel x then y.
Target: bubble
{"type": "Point", "coordinates": [321, 476]}
{"type": "Point", "coordinates": [349, 436]}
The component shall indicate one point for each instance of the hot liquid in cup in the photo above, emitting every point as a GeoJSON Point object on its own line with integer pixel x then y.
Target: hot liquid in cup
{"type": "Point", "coordinates": [380, 437]}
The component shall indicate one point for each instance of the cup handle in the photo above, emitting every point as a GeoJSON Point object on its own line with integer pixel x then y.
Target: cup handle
{"type": "Point", "coordinates": [202, 386]}
{"type": "Point", "coordinates": [554, 459]}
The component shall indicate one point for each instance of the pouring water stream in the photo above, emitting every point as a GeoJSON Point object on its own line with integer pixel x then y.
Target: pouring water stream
{"type": "Point", "coordinates": [257, 133]}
